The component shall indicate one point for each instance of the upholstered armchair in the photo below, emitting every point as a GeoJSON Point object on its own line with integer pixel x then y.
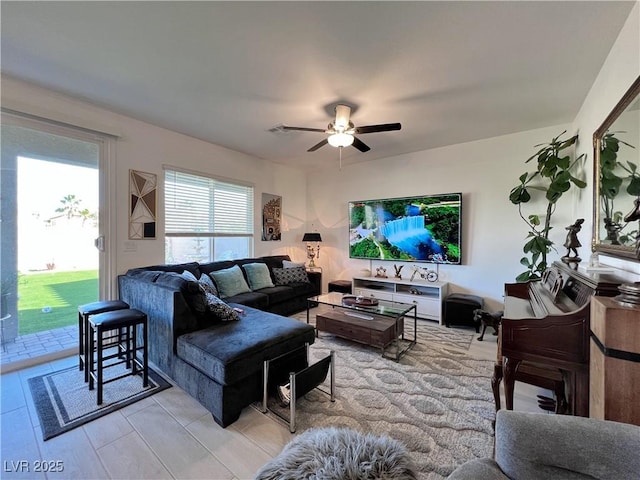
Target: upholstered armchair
{"type": "Point", "coordinates": [532, 446]}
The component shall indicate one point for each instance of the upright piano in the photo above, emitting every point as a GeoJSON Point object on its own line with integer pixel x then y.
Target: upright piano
{"type": "Point", "coordinates": [546, 326]}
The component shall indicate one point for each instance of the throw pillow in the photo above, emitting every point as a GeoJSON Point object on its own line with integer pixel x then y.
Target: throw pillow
{"type": "Point", "coordinates": [285, 276]}
{"type": "Point", "coordinates": [187, 275]}
{"type": "Point", "coordinates": [230, 282]}
{"type": "Point", "coordinates": [258, 275]}
{"type": "Point", "coordinates": [221, 310]}
{"type": "Point", "coordinates": [190, 289]}
{"type": "Point", "coordinates": [205, 283]}
{"type": "Point", "coordinates": [289, 264]}
{"type": "Point", "coordinates": [208, 285]}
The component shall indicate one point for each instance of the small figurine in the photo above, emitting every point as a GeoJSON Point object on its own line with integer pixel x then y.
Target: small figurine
{"type": "Point", "coordinates": [572, 243]}
{"type": "Point", "coordinates": [381, 272]}
{"type": "Point", "coordinates": [397, 269]}
{"type": "Point", "coordinates": [415, 270]}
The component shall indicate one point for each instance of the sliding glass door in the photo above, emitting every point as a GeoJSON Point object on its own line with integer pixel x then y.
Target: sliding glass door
{"type": "Point", "coordinates": [53, 256]}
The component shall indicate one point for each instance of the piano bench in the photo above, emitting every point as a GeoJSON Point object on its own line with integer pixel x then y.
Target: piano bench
{"type": "Point", "coordinates": [459, 308]}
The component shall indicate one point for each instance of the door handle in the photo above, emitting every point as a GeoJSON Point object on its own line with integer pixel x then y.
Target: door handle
{"type": "Point", "coordinates": [99, 243]}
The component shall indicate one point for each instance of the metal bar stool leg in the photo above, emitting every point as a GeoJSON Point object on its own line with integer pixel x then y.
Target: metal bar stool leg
{"type": "Point", "coordinates": [91, 365]}
{"type": "Point", "coordinates": [132, 348]}
{"type": "Point", "coordinates": [145, 356]}
{"type": "Point", "coordinates": [100, 367]}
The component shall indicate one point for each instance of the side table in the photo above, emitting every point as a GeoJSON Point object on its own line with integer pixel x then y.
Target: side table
{"type": "Point", "coordinates": [315, 277]}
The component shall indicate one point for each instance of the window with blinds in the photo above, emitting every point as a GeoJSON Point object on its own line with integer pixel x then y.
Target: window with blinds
{"type": "Point", "coordinates": [206, 219]}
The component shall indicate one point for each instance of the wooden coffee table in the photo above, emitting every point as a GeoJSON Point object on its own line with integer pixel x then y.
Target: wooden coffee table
{"type": "Point", "coordinates": [380, 325]}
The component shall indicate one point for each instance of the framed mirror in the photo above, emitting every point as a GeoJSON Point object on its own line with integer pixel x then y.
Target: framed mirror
{"type": "Point", "coordinates": [616, 193]}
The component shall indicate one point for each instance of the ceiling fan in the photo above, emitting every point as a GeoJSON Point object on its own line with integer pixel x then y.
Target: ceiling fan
{"type": "Point", "coordinates": [341, 132]}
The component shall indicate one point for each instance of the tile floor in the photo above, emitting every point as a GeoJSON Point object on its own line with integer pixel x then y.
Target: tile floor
{"type": "Point", "coordinates": [167, 435]}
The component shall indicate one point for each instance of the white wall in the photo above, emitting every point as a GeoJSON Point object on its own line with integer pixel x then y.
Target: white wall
{"type": "Point", "coordinates": [145, 147]}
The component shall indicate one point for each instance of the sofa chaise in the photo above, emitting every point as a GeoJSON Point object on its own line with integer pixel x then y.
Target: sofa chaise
{"type": "Point", "coordinates": [217, 355]}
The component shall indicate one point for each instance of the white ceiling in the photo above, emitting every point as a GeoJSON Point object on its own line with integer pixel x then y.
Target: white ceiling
{"type": "Point", "coordinates": [227, 72]}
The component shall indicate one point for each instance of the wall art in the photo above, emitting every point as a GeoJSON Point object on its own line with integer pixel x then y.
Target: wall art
{"type": "Point", "coordinates": [142, 205]}
{"type": "Point", "coordinates": [271, 217]}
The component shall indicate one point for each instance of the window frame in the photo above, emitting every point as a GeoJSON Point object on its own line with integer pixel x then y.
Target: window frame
{"type": "Point", "coordinates": [211, 235]}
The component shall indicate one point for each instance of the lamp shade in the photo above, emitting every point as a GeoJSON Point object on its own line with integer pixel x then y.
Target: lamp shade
{"type": "Point", "coordinates": [340, 140]}
{"type": "Point", "coordinates": [311, 237]}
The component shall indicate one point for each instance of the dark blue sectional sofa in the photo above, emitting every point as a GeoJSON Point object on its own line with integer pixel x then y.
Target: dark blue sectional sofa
{"type": "Point", "coordinates": [220, 363]}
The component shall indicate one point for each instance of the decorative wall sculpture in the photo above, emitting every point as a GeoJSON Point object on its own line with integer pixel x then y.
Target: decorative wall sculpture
{"type": "Point", "coordinates": [271, 216]}
{"type": "Point", "coordinates": [142, 205]}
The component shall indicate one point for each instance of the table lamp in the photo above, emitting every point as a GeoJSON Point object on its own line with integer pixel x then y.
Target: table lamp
{"type": "Point", "coordinates": [312, 252]}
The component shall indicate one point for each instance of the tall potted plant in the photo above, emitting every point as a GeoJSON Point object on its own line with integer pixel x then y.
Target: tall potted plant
{"type": "Point", "coordinates": [553, 178]}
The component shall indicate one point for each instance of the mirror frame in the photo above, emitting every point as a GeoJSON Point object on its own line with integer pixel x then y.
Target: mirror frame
{"type": "Point", "coordinates": [625, 252]}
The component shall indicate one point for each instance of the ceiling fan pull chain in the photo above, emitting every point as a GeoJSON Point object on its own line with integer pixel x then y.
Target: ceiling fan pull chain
{"type": "Point", "coordinates": [340, 148]}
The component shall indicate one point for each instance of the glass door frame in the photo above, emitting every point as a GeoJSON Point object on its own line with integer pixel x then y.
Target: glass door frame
{"type": "Point", "coordinates": [106, 173]}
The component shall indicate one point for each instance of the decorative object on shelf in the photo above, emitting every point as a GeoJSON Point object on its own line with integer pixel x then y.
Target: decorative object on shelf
{"type": "Point", "coordinates": [381, 272]}
{"type": "Point", "coordinates": [271, 217]}
{"type": "Point", "coordinates": [553, 177]}
{"type": "Point", "coordinates": [312, 252]}
{"type": "Point", "coordinates": [398, 269]}
{"type": "Point", "coordinates": [142, 205]}
{"type": "Point", "coordinates": [425, 274]}
{"type": "Point", "coordinates": [365, 272]}
{"type": "Point", "coordinates": [572, 243]}
{"type": "Point", "coordinates": [414, 291]}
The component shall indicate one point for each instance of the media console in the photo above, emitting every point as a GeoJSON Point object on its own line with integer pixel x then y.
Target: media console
{"type": "Point", "coordinates": [426, 296]}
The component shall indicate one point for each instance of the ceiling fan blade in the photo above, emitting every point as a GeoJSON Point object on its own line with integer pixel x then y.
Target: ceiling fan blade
{"type": "Point", "coordinates": [318, 145]}
{"type": "Point", "coordinates": [360, 145]}
{"type": "Point", "coordinates": [385, 127]}
{"type": "Point", "coordinates": [303, 129]}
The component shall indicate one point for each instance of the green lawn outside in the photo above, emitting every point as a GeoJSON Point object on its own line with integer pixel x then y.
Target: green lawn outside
{"type": "Point", "coordinates": [61, 291]}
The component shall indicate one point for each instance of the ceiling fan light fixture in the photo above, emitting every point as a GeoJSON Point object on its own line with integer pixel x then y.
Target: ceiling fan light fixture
{"type": "Point", "coordinates": [340, 140]}
{"type": "Point", "coordinates": [342, 117]}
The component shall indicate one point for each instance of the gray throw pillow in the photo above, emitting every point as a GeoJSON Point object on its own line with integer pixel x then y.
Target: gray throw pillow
{"type": "Point", "coordinates": [258, 275]}
{"type": "Point", "coordinates": [286, 276]}
{"type": "Point", "coordinates": [230, 282]}
{"type": "Point", "coordinates": [290, 264]}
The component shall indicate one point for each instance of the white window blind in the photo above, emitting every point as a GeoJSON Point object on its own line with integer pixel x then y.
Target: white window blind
{"type": "Point", "coordinates": [206, 206]}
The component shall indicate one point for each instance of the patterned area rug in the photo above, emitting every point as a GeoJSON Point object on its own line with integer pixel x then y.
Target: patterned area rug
{"type": "Point", "coordinates": [64, 401]}
{"type": "Point", "coordinates": [437, 400]}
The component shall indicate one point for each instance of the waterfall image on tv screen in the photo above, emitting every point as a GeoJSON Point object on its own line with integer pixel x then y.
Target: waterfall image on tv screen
{"type": "Point", "coordinates": [413, 229]}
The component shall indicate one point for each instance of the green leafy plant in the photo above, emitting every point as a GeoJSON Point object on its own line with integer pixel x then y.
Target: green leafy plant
{"type": "Point", "coordinates": [553, 178]}
{"type": "Point", "coordinates": [614, 177]}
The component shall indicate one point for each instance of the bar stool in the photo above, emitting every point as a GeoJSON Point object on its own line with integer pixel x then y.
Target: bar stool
{"type": "Point", "coordinates": [84, 312]}
{"type": "Point", "coordinates": [126, 322]}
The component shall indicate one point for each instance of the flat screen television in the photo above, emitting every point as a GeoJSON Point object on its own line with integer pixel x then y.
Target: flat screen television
{"type": "Point", "coordinates": [424, 228]}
